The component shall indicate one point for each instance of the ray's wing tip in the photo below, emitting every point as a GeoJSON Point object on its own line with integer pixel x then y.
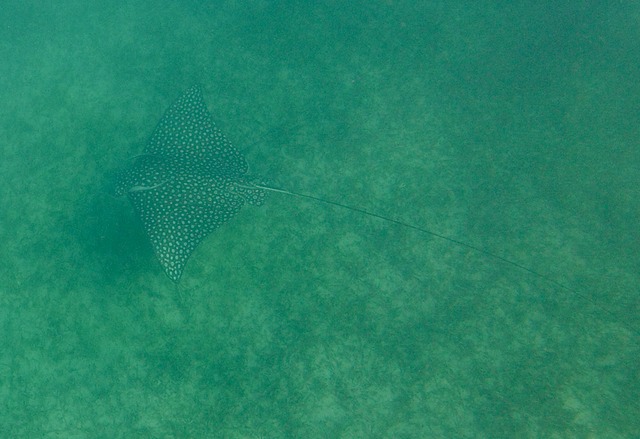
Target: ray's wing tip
{"type": "Point", "coordinates": [174, 274]}
{"type": "Point", "coordinates": [194, 90]}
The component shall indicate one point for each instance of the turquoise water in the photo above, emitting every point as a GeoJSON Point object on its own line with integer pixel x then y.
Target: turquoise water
{"type": "Point", "coordinates": [514, 128]}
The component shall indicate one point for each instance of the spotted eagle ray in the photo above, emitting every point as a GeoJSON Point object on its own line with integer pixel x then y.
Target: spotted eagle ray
{"type": "Point", "coordinates": [190, 180]}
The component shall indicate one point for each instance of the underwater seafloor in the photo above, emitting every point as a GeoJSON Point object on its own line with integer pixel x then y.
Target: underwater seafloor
{"type": "Point", "coordinates": [513, 128]}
